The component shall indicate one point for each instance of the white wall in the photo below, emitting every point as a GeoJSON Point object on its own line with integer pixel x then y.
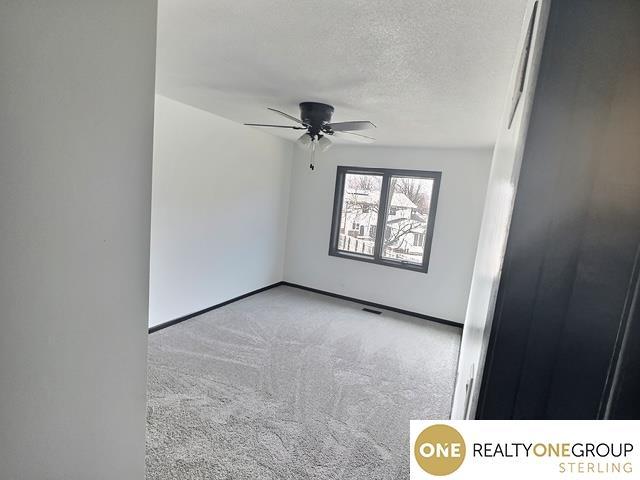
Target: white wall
{"type": "Point", "coordinates": [76, 119]}
{"type": "Point", "coordinates": [443, 291]}
{"type": "Point", "coordinates": [505, 170]}
{"type": "Point", "coordinates": [220, 202]}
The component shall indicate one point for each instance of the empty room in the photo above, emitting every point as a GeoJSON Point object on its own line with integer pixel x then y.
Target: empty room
{"type": "Point", "coordinates": [347, 260]}
{"type": "Point", "coordinates": [248, 239]}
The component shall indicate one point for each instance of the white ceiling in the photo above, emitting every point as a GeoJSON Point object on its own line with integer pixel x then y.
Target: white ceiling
{"type": "Point", "coordinates": [426, 72]}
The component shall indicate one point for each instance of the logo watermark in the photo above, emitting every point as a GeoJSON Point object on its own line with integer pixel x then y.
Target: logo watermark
{"type": "Point", "coordinates": [525, 449]}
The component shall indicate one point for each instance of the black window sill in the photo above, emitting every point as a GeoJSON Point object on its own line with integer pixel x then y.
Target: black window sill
{"type": "Point", "coordinates": [380, 261]}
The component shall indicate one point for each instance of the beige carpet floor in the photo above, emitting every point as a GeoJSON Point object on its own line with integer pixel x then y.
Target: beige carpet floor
{"type": "Point", "coordinates": [288, 384]}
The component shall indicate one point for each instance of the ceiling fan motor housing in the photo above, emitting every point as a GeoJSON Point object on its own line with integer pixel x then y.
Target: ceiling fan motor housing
{"type": "Point", "coordinates": [315, 115]}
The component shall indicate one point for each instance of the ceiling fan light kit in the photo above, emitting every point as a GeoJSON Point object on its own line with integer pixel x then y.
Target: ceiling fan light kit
{"type": "Point", "coordinates": [324, 144]}
{"type": "Point", "coordinates": [315, 118]}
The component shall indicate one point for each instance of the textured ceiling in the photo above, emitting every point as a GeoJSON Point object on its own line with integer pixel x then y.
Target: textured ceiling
{"type": "Point", "coordinates": [426, 72]}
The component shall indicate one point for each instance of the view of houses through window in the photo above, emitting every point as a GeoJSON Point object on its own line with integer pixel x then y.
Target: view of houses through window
{"type": "Point", "coordinates": [406, 216]}
{"type": "Point", "coordinates": [359, 219]}
{"type": "Point", "coordinates": [406, 222]}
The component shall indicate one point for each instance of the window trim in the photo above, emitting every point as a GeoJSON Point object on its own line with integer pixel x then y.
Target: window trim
{"type": "Point", "coordinates": [386, 174]}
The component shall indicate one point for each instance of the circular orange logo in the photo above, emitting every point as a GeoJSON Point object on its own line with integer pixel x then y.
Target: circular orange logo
{"type": "Point", "coordinates": [439, 450]}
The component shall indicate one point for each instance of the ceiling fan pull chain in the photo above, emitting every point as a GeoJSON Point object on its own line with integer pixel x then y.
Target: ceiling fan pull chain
{"type": "Point", "coordinates": [312, 165]}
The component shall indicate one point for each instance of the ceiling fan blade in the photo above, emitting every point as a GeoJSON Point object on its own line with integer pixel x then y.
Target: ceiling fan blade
{"type": "Point", "coordinates": [350, 126]}
{"type": "Point", "coordinates": [290, 117]}
{"type": "Point", "coordinates": [355, 137]}
{"type": "Point", "coordinates": [274, 126]}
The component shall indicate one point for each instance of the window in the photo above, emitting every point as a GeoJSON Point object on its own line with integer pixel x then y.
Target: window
{"type": "Point", "coordinates": [391, 212]}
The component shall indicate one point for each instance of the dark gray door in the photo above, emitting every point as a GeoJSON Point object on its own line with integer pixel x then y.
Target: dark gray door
{"type": "Point", "coordinates": [565, 296]}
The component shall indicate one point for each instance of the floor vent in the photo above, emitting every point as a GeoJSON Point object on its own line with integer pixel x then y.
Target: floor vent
{"type": "Point", "coordinates": [377, 312]}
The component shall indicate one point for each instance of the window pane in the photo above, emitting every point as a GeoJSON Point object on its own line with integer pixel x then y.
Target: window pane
{"type": "Point", "coordinates": [407, 219]}
{"type": "Point", "coordinates": [359, 213]}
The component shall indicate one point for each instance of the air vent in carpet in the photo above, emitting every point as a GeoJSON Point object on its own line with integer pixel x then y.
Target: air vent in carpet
{"type": "Point", "coordinates": [377, 312]}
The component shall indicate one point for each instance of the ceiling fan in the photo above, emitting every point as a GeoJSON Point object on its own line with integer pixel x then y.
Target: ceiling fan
{"type": "Point", "coordinates": [315, 118]}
